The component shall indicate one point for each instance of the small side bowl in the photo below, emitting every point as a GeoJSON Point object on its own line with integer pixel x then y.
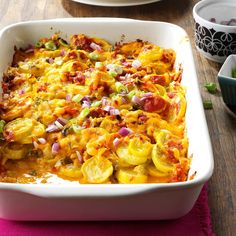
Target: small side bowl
{"type": "Point", "coordinates": [215, 41]}
{"type": "Point", "coordinates": [227, 82]}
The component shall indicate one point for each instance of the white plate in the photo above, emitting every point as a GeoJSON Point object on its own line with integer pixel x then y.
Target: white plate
{"type": "Point", "coordinates": [62, 201]}
{"type": "Point", "coordinates": [116, 3]}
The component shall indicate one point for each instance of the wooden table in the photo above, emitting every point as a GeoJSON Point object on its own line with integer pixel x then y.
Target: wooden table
{"type": "Point", "coordinates": [222, 125]}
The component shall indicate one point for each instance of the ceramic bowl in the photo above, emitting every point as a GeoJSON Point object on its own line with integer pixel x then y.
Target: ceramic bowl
{"type": "Point", "coordinates": [227, 82]}
{"type": "Point", "coordinates": [65, 200]}
{"type": "Point", "coordinates": [213, 37]}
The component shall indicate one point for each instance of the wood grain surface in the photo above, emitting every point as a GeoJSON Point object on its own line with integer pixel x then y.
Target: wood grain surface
{"type": "Point", "coordinates": [221, 122]}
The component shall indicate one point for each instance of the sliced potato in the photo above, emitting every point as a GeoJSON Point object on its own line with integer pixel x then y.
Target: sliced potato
{"type": "Point", "coordinates": [129, 176]}
{"type": "Point", "coordinates": [97, 170]}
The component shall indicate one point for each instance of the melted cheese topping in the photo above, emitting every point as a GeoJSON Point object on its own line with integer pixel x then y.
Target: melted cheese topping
{"type": "Point", "coordinates": [93, 112]}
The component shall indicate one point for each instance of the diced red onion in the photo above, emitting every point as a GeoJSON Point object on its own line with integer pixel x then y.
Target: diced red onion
{"type": "Point", "coordinates": [36, 145]}
{"type": "Point", "coordinates": [62, 121]}
{"type": "Point", "coordinates": [124, 131]}
{"type": "Point", "coordinates": [95, 46]}
{"type": "Point", "coordinates": [6, 96]}
{"type": "Point", "coordinates": [135, 100]}
{"type": "Point", "coordinates": [68, 97]}
{"type": "Point", "coordinates": [58, 125]}
{"type": "Point", "coordinates": [126, 63]}
{"type": "Point", "coordinates": [108, 108]}
{"type": "Point", "coordinates": [55, 148]}
{"type": "Point", "coordinates": [51, 128]}
{"type": "Point", "coordinates": [42, 140]}
{"type": "Point", "coordinates": [147, 94]}
{"type": "Point", "coordinates": [85, 98]}
{"type": "Point", "coordinates": [136, 64]}
{"type": "Point", "coordinates": [104, 101]}
{"type": "Point", "coordinates": [114, 112]}
{"type": "Point", "coordinates": [50, 60]}
{"type": "Point", "coordinates": [116, 141]}
{"type": "Point", "coordinates": [29, 49]}
{"type": "Point", "coordinates": [85, 104]}
{"type": "Point", "coordinates": [80, 158]}
{"type": "Point", "coordinates": [22, 91]}
{"type": "Point", "coordinates": [63, 52]}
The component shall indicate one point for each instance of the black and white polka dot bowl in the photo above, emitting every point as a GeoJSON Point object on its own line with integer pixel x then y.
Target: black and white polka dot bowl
{"type": "Point", "coordinates": [215, 28]}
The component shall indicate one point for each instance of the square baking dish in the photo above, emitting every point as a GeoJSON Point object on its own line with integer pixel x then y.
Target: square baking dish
{"type": "Point", "coordinates": [72, 201]}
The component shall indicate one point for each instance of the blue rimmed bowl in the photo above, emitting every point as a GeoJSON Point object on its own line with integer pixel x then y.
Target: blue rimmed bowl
{"type": "Point", "coordinates": [214, 38]}
{"type": "Point", "coordinates": [227, 82]}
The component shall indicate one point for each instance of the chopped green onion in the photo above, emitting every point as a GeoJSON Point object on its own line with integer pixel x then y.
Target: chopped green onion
{"type": "Point", "coordinates": [207, 104]}
{"type": "Point", "coordinates": [93, 56]}
{"type": "Point", "coordinates": [63, 43]}
{"type": "Point", "coordinates": [112, 73]}
{"type": "Point", "coordinates": [77, 98]}
{"type": "Point", "coordinates": [50, 45]}
{"type": "Point", "coordinates": [120, 87]}
{"type": "Point", "coordinates": [98, 64]}
{"type": "Point", "coordinates": [58, 60]}
{"type": "Point", "coordinates": [2, 124]}
{"type": "Point", "coordinates": [84, 113]}
{"type": "Point", "coordinates": [76, 128]}
{"type": "Point", "coordinates": [131, 94]}
{"type": "Point", "coordinates": [38, 45]}
{"type": "Point", "coordinates": [234, 73]}
{"type": "Point", "coordinates": [211, 87]}
{"type": "Point", "coordinates": [96, 104]}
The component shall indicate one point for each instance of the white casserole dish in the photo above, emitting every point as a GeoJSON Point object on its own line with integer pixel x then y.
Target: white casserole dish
{"type": "Point", "coordinates": [70, 201]}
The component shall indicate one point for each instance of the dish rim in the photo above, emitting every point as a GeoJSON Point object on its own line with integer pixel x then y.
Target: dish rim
{"type": "Point", "coordinates": [90, 190]}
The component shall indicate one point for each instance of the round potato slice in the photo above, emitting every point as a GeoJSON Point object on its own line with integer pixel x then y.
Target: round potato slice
{"type": "Point", "coordinates": [129, 176]}
{"type": "Point", "coordinates": [161, 165]}
{"type": "Point", "coordinates": [97, 170]}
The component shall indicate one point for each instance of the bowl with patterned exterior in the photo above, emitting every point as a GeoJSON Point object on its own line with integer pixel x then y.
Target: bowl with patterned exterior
{"type": "Point", "coordinates": [215, 28]}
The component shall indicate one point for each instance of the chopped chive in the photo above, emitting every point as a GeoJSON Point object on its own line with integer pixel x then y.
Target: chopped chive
{"type": "Point", "coordinates": [131, 94]}
{"type": "Point", "coordinates": [120, 87]}
{"type": "Point", "coordinates": [84, 113]}
{"type": "Point", "coordinates": [98, 64]}
{"type": "Point", "coordinates": [234, 73]}
{"type": "Point", "coordinates": [112, 73]}
{"type": "Point", "coordinates": [2, 124]}
{"type": "Point", "coordinates": [93, 56]}
{"type": "Point", "coordinates": [50, 45]}
{"type": "Point", "coordinates": [96, 104]}
{"type": "Point", "coordinates": [38, 45]}
{"type": "Point", "coordinates": [76, 128]}
{"type": "Point", "coordinates": [207, 104]}
{"type": "Point", "coordinates": [63, 43]}
{"type": "Point", "coordinates": [211, 87]}
{"type": "Point", "coordinates": [77, 98]}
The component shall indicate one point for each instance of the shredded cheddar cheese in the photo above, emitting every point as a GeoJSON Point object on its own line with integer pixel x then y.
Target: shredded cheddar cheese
{"type": "Point", "coordinates": [93, 112]}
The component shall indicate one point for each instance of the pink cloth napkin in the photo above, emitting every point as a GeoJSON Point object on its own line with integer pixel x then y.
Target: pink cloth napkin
{"type": "Point", "coordinates": [196, 223]}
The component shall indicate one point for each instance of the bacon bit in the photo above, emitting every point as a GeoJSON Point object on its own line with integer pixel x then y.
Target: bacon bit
{"type": "Point", "coordinates": [81, 42]}
{"type": "Point", "coordinates": [142, 118]}
{"type": "Point", "coordinates": [171, 94]}
{"type": "Point", "coordinates": [156, 104]}
{"type": "Point", "coordinates": [75, 77]}
{"type": "Point", "coordinates": [98, 112]}
{"type": "Point", "coordinates": [5, 87]}
{"type": "Point", "coordinates": [158, 79]}
{"type": "Point", "coordinates": [72, 55]}
{"type": "Point", "coordinates": [9, 136]}
{"type": "Point", "coordinates": [70, 111]}
{"type": "Point", "coordinates": [42, 87]}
